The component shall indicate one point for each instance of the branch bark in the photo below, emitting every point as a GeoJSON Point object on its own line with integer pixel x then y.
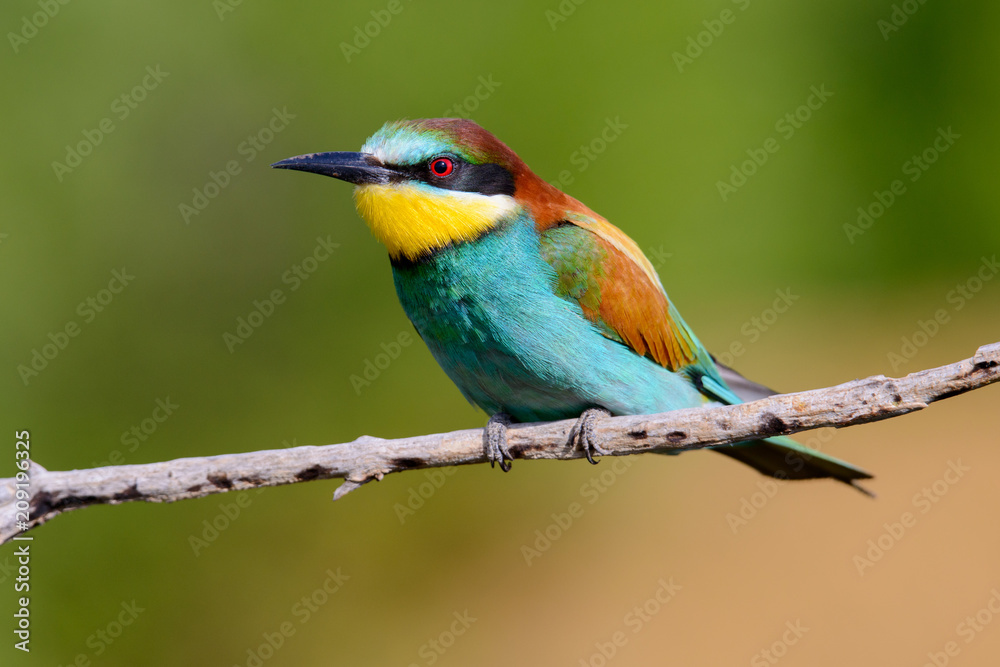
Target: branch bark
{"type": "Point", "coordinates": [49, 494]}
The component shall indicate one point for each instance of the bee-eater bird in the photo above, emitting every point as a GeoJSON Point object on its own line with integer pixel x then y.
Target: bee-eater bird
{"type": "Point", "coordinates": [534, 305]}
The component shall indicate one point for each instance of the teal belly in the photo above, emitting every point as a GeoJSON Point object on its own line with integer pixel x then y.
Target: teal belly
{"type": "Point", "coordinates": [489, 315]}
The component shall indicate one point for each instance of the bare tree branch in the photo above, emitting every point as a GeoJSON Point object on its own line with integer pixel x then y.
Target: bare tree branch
{"type": "Point", "coordinates": [48, 494]}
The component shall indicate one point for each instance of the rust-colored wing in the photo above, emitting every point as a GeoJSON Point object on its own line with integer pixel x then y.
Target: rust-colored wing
{"type": "Point", "coordinates": [603, 270]}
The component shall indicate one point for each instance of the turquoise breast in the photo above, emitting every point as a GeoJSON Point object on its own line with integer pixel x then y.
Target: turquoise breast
{"type": "Point", "coordinates": [490, 315]}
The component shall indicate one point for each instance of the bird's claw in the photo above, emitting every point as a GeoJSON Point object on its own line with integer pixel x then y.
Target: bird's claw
{"type": "Point", "coordinates": [585, 434]}
{"type": "Point", "coordinates": [496, 441]}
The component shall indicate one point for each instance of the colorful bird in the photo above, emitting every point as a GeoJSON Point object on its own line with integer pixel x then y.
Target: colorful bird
{"type": "Point", "coordinates": [534, 305]}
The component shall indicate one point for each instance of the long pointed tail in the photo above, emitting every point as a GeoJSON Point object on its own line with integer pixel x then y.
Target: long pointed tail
{"type": "Point", "coordinates": [783, 458]}
{"type": "Point", "coordinates": [779, 457]}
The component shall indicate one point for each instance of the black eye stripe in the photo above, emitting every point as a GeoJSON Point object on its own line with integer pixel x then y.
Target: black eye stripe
{"type": "Point", "coordinates": [486, 179]}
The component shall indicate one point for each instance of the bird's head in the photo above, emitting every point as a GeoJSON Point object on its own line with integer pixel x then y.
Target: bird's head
{"type": "Point", "coordinates": [422, 185]}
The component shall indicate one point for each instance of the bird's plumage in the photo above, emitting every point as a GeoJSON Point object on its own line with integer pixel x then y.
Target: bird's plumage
{"type": "Point", "coordinates": [533, 304]}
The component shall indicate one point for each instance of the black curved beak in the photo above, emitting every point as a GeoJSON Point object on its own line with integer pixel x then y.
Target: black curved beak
{"type": "Point", "coordinates": [357, 168]}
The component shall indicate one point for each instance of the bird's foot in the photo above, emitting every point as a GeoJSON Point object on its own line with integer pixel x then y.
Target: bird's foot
{"type": "Point", "coordinates": [584, 433]}
{"type": "Point", "coordinates": [496, 441]}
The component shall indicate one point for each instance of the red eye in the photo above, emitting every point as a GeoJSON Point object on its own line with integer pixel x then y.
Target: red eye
{"type": "Point", "coordinates": [442, 166]}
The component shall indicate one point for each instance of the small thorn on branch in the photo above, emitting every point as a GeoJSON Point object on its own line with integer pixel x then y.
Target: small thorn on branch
{"type": "Point", "coordinates": [345, 488]}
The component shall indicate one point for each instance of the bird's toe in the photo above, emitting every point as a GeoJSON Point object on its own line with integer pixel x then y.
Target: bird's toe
{"type": "Point", "coordinates": [585, 433]}
{"type": "Point", "coordinates": [496, 441]}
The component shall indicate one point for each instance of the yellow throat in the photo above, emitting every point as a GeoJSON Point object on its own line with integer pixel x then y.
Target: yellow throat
{"type": "Point", "coordinates": [411, 220]}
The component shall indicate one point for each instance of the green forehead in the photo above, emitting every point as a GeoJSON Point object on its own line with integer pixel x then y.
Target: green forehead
{"type": "Point", "coordinates": [407, 143]}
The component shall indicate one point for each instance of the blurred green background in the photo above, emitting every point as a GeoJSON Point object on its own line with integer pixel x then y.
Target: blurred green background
{"type": "Point", "coordinates": [278, 74]}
